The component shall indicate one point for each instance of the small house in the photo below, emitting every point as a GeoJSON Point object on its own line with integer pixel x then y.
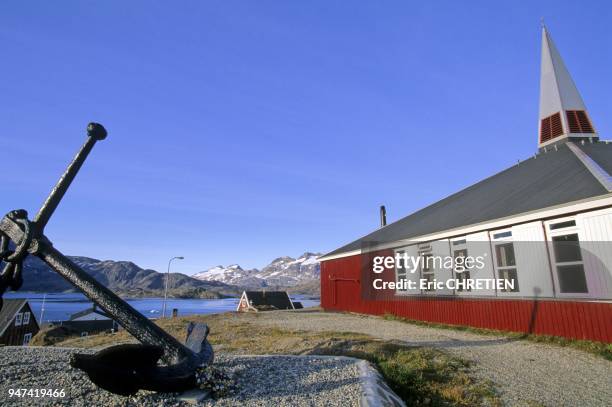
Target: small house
{"type": "Point", "coordinates": [17, 322]}
{"type": "Point", "coordinates": [264, 301]}
{"type": "Point", "coordinates": [90, 321]}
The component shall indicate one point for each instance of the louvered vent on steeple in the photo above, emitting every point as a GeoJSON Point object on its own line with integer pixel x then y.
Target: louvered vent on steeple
{"type": "Point", "coordinates": [579, 122]}
{"type": "Point", "coordinates": [550, 127]}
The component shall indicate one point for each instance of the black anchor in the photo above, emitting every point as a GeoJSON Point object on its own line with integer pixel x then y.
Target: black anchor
{"type": "Point", "coordinates": [121, 369]}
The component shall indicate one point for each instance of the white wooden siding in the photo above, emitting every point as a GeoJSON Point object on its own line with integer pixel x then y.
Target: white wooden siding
{"type": "Point", "coordinates": [478, 245]}
{"type": "Point", "coordinates": [595, 230]}
{"type": "Point", "coordinates": [441, 249]}
{"type": "Point", "coordinates": [532, 261]}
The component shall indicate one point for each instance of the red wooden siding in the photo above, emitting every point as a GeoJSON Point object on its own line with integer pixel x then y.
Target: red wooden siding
{"type": "Point", "coordinates": [341, 290]}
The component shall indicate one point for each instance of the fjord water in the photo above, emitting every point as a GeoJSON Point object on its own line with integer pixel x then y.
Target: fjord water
{"type": "Point", "coordinates": [59, 306]}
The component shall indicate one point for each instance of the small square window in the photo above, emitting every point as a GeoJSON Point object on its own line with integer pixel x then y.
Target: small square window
{"type": "Point", "coordinates": [18, 319]}
{"type": "Point", "coordinates": [572, 279]}
{"type": "Point", "coordinates": [567, 248]}
{"type": "Point", "coordinates": [26, 318]}
{"type": "Point", "coordinates": [510, 275]}
{"type": "Point", "coordinates": [461, 275]}
{"type": "Point", "coordinates": [505, 255]}
{"type": "Point", "coordinates": [26, 339]}
{"type": "Point", "coordinates": [427, 262]}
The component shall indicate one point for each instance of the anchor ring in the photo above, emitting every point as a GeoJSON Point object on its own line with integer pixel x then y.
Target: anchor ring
{"type": "Point", "coordinates": [21, 250]}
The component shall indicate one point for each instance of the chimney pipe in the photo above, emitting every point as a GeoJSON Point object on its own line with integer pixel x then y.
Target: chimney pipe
{"type": "Point", "coordinates": [383, 216]}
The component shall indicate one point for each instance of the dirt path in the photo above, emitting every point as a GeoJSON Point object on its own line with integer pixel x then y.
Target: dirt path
{"type": "Point", "coordinates": [525, 373]}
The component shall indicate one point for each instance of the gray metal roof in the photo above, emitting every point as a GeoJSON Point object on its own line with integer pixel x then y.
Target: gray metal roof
{"type": "Point", "coordinates": [548, 179]}
{"type": "Point", "coordinates": [93, 309]}
{"type": "Point", "coordinates": [10, 307]}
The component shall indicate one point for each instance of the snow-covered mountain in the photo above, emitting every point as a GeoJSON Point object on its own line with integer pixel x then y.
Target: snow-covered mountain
{"type": "Point", "coordinates": [232, 274]}
{"type": "Point", "coordinates": [281, 272]}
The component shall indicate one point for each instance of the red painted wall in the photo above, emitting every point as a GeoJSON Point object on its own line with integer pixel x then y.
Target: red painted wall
{"type": "Point", "coordinates": [341, 290]}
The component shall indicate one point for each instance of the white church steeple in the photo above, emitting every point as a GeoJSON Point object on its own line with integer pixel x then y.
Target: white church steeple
{"type": "Point", "coordinates": [563, 115]}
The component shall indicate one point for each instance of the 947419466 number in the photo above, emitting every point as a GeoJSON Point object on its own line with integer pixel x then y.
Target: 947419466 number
{"type": "Point", "coordinates": [37, 393]}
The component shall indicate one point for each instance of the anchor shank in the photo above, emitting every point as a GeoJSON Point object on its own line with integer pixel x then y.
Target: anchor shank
{"type": "Point", "coordinates": [95, 132]}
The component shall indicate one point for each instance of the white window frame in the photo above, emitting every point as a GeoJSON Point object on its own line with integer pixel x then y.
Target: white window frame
{"type": "Point", "coordinates": [26, 318]}
{"type": "Point", "coordinates": [399, 272]}
{"type": "Point", "coordinates": [457, 244]}
{"type": "Point", "coordinates": [84, 334]}
{"type": "Point", "coordinates": [18, 319]}
{"type": "Point", "coordinates": [497, 242]}
{"type": "Point", "coordinates": [26, 339]}
{"type": "Point", "coordinates": [424, 250]}
{"type": "Point", "coordinates": [570, 230]}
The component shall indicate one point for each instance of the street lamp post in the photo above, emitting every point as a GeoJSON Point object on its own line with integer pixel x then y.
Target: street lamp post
{"type": "Point", "coordinates": [166, 289]}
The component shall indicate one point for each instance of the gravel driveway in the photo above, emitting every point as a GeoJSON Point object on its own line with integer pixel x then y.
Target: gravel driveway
{"type": "Point", "coordinates": [524, 372]}
{"type": "Point", "coordinates": [280, 381]}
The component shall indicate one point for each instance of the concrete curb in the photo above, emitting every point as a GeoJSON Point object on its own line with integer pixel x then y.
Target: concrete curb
{"type": "Point", "coordinates": [376, 393]}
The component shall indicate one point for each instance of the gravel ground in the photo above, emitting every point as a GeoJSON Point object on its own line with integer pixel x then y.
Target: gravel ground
{"type": "Point", "coordinates": [524, 372]}
{"type": "Point", "coordinates": [261, 381]}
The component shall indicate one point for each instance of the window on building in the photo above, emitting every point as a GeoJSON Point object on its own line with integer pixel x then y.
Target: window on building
{"type": "Point", "coordinates": [563, 225]}
{"type": "Point", "coordinates": [569, 264]}
{"type": "Point", "coordinates": [26, 318]}
{"type": "Point", "coordinates": [26, 339]}
{"type": "Point", "coordinates": [401, 272]}
{"type": "Point", "coordinates": [459, 257]}
{"type": "Point", "coordinates": [506, 265]}
{"type": "Point", "coordinates": [84, 334]}
{"type": "Point", "coordinates": [501, 235]}
{"type": "Point", "coordinates": [427, 268]}
{"type": "Point", "coordinates": [18, 319]}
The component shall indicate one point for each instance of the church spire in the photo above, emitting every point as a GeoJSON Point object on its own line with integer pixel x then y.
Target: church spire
{"type": "Point", "coordinates": [563, 115]}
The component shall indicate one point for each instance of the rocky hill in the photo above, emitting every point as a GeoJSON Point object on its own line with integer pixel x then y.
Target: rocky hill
{"type": "Point", "coordinates": [123, 277]}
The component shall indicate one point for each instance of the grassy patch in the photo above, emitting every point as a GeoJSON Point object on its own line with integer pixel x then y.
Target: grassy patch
{"type": "Point", "coordinates": [423, 376]}
{"type": "Point", "coordinates": [420, 376]}
{"type": "Point", "coordinates": [426, 376]}
{"type": "Point", "coordinates": [597, 348]}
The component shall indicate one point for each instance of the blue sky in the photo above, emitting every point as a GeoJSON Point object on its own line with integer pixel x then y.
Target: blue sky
{"type": "Point", "coordinates": [241, 131]}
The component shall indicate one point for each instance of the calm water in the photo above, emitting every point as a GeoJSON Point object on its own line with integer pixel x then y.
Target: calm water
{"type": "Point", "coordinates": [59, 307]}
